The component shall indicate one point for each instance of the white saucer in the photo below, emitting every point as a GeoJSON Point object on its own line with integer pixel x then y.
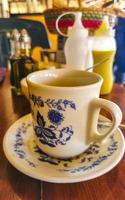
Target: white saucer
{"type": "Point", "coordinates": [21, 151]}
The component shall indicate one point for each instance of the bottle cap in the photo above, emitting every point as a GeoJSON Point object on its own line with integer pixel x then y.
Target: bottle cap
{"type": "Point", "coordinates": [24, 36]}
{"type": "Point", "coordinates": [25, 40]}
{"type": "Point", "coordinates": [77, 26]}
{"type": "Point", "coordinates": [15, 34]}
{"type": "Point", "coordinates": [105, 29]}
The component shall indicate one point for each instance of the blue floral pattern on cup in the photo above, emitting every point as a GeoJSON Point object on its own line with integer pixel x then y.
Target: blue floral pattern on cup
{"type": "Point", "coordinates": [55, 117]}
{"type": "Point", "coordinates": [60, 104]}
{"type": "Point", "coordinates": [49, 136]}
{"type": "Point", "coordinates": [53, 134]}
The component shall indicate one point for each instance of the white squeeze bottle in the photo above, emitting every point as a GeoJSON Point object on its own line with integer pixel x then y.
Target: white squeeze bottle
{"type": "Point", "coordinates": [78, 47]}
{"type": "Point", "coordinates": [104, 46]}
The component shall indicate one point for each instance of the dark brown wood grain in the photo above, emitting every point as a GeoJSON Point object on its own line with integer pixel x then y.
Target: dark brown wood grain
{"type": "Point", "coordinates": [110, 186]}
{"type": "Point", "coordinates": [16, 186]}
{"type": "Point", "coordinates": [13, 184]}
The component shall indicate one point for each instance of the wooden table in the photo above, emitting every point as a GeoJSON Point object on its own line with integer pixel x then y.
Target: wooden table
{"type": "Point", "coordinates": [16, 186]}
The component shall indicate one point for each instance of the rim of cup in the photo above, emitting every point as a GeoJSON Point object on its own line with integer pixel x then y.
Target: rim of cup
{"type": "Point", "coordinates": [32, 80]}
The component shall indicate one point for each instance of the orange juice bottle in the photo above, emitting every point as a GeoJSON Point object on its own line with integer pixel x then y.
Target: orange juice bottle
{"type": "Point", "coordinates": [104, 46]}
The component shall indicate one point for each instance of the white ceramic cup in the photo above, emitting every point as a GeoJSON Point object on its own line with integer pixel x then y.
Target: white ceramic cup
{"type": "Point", "coordinates": [65, 108]}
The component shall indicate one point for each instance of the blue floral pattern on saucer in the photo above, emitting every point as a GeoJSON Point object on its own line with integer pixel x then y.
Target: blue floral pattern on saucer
{"type": "Point", "coordinates": [22, 151]}
{"type": "Point", "coordinates": [87, 156]}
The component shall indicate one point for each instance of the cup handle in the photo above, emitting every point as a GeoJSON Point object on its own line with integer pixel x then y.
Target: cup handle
{"type": "Point", "coordinates": [115, 112]}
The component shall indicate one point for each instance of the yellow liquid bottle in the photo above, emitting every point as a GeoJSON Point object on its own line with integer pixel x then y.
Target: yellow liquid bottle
{"type": "Point", "coordinates": [104, 47]}
{"type": "Point", "coordinates": [105, 69]}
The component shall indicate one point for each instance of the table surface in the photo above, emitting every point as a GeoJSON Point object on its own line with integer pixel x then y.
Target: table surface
{"type": "Point", "coordinates": [16, 186]}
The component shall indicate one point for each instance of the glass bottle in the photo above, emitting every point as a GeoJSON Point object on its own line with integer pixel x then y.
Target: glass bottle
{"type": "Point", "coordinates": [14, 56]}
{"type": "Point", "coordinates": [26, 63]}
{"type": "Point", "coordinates": [21, 63]}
